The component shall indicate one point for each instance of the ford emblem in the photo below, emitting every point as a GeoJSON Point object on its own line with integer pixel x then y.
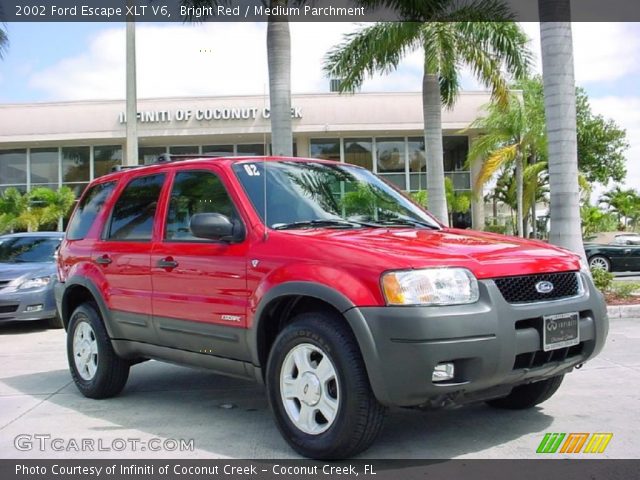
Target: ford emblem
{"type": "Point", "coordinates": [544, 287]}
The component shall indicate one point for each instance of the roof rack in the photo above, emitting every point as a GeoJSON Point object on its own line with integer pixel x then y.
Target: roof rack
{"type": "Point", "coordinates": [172, 157]}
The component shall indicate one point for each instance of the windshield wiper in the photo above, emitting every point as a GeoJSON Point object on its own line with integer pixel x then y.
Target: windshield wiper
{"type": "Point", "coordinates": [399, 222]}
{"type": "Point", "coordinates": [316, 224]}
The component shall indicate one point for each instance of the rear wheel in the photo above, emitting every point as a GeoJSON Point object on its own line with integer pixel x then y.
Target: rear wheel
{"type": "Point", "coordinates": [598, 262]}
{"type": "Point", "coordinates": [319, 390]}
{"type": "Point", "coordinates": [96, 369]}
{"type": "Point", "coordinates": [528, 396]}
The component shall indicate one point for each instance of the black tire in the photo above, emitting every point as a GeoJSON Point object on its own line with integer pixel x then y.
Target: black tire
{"type": "Point", "coordinates": [359, 416]}
{"type": "Point", "coordinates": [602, 260]}
{"type": "Point", "coordinates": [528, 396]}
{"type": "Point", "coordinates": [55, 322]}
{"type": "Point", "coordinates": [112, 371]}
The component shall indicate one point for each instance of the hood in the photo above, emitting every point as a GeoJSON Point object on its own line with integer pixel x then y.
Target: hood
{"type": "Point", "coordinates": [11, 271]}
{"type": "Point", "coordinates": [487, 255]}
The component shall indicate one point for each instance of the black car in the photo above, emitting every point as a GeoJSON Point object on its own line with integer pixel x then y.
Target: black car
{"type": "Point", "coordinates": [620, 254]}
{"type": "Point", "coordinates": [27, 276]}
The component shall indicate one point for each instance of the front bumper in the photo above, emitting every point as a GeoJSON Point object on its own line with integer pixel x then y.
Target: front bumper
{"type": "Point", "coordinates": [14, 305]}
{"type": "Point", "coordinates": [494, 345]}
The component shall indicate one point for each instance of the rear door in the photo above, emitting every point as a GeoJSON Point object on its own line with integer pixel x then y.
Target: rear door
{"type": "Point", "coordinates": [124, 256]}
{"type": "Point", "coordinates": [199, 286]}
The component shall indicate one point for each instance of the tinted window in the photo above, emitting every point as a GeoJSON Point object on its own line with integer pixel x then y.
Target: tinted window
{"type": "Point", "coordinates": [28, 249]}
{"type": "Point", "coordinates": [195, 192]}
{"type": "Point", "coordinates": [132, 216]}
{"type": "Point", "coordinates": [88, 210]}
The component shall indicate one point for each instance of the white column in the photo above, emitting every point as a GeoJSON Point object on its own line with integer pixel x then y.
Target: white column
{"type": "Point", "coordinates": [131, 154]}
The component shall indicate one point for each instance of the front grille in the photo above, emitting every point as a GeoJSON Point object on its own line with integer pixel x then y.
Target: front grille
{"type": "Point", "coordinates": [522, 289]}
{"type": "Point", "coordinates": [541, 358]}
{"type": "Point", "coordinates": [8, 308]}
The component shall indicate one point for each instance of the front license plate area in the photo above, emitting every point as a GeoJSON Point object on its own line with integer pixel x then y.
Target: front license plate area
{"type": "Point", "coordinates": [560, 331]}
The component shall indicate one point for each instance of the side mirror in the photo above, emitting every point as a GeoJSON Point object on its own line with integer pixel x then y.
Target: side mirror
{"type": "Point", "coordinates": [216, 226]}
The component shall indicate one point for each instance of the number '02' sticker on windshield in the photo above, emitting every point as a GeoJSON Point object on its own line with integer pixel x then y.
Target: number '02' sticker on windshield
{"type": "Point", "coordinates": [251, 170]}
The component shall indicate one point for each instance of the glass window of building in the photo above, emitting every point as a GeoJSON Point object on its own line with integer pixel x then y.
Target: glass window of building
{"type": "Point", "coordinates": [358, 151]}
{"type": "Point", "coordinates": [417, 164]}
{"type": "Point", "coordinates": [147, 155]}
{"type": "Point", "coordinates": [455, 152]}
{"type": "Point", "coordinates": [326, 148]}
{"type": "Point", "coordinates": [220, 150]}
{"type": "Point", "coordinates": [185, 150]}
{"type": "Point", "coordinates": [75, 164]}
{"type": "Point", "coordinates": [13, 167]}
{"type": "Point", "coordinates": [44, 166]}
{"type": "Point", "coordinates": [390, 160]}
{"type": "Point", "coordinates": [105, 158]}
{"type": "Point", "coordinates": [251, 149]}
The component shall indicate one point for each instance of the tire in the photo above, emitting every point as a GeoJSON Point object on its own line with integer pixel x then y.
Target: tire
{"type": "Point", "coordinates": [55, 322]}
{"type": "Point", "coordinates": [528, 396]}
{"type": "Point", "coordinates": [340, 388]}
{"type": "Point", "coordinates": [96, 369]}
{"type": "Point", "coordinates": [598, 262]}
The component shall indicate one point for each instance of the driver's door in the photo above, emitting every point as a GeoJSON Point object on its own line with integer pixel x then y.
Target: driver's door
{"type": "Point", "coordinates": [199, 285]}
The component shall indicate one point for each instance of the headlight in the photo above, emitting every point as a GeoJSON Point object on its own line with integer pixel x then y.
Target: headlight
{"type": "Point", "coordinates": [432, 286]}
{"type": "Point", "coordinates": [37, 282]}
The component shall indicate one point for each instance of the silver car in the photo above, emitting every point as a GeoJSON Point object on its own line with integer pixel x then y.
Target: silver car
{"type": "Point", "coordinates": [27, 276]}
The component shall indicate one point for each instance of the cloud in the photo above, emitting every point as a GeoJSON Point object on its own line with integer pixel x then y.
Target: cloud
{"type": "Point", "coordinates": [603, 52]}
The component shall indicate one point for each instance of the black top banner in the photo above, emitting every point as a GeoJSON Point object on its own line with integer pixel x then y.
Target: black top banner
{"type": "Point", "coordinates": [317, 10]}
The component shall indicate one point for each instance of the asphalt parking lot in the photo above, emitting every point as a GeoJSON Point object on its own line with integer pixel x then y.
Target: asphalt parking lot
{"type": "Point", "coordinates": [230, 418]}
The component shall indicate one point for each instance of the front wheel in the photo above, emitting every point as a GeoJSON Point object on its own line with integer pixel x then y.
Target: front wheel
{"type": "Point", "coordinates": [319, 391]}
{"type": "Point", "coordinates": [96, 369]}
{"type": "Point", "coordinates": [528, 396]}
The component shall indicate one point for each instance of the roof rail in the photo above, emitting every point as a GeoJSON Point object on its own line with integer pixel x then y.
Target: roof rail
{"type": "Point", "coordinates": [119, 168]}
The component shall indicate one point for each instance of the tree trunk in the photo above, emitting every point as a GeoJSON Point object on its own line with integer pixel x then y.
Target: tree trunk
{"type": "Point", "coordinates": [432, 111]}
{"type": "Point", "coordinates": [519, 196]}
{"type": "Point", "coordinates": [279, 60]}
{"type": "Point", "coordinates": [560, 110]}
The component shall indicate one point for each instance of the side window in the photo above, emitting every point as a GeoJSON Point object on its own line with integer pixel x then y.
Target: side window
{"type": "Point", "coordinates": [88, 210]}
{"type": "Point", "coordinates": [195, 192]}
{"type": "Point", "coordinates": [132, 216]}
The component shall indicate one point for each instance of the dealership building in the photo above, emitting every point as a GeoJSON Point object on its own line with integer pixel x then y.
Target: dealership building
{"type": "Point", "coordinates": [71, 143]}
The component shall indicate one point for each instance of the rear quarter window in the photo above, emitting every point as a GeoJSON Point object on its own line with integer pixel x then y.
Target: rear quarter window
{"type": "Point", "coordinates": [88, 209]}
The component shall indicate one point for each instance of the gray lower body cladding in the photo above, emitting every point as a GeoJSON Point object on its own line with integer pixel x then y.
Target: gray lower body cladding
{"type": "Point", "coordinates": [493, 345]}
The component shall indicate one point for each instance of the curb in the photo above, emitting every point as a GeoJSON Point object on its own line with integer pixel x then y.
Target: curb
{"type": "Point", "coordinates": [623, 311]}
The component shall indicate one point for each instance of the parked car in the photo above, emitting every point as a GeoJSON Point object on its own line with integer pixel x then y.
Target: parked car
{"type": "Point", "coordinates": [27, 277]}
{"type": "Point", "coordinates": [614, 252]}
{"type": "Point", "coordinates": [325, 283]}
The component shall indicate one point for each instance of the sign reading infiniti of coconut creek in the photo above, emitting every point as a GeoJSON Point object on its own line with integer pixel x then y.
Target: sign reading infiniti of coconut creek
{"type": "Point", "coordinates": [206, 114]}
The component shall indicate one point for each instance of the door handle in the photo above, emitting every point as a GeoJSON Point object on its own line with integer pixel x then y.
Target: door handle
{"type": "Point", "coordinates": [103, 260]}
{"type": "Point", "coordinates": [167, 263]}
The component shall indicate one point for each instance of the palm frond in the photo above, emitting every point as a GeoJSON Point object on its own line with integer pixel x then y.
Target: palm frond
{"type": "Point", "coordinates": [496, 160]}
{"type": "Point", "coordinates": [373, 49]}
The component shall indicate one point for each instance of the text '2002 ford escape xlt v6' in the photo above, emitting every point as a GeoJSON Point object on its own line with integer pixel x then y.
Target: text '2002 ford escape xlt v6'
{"type": "Point", "coordinates": [324, 282]}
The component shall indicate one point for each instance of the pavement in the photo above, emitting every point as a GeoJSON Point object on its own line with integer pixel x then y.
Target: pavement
{"type": "Point", "coordinates": [42, 414]}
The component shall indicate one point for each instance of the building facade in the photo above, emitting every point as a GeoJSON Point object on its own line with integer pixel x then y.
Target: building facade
{"type": "Point", "coordinates": [71, 143]}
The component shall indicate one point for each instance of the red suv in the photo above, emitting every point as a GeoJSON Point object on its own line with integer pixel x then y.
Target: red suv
{"type": "Point", "coordinates": [325, 283]}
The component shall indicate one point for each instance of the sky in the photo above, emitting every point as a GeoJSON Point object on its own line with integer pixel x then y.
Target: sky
{"type": "Point", "coordinates": [73, 61]}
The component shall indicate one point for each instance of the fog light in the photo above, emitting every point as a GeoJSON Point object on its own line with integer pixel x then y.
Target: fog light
{"type": "Point", "coordinates": [442, 372]}
{"type": "Point", "coordinates": [34, 308]}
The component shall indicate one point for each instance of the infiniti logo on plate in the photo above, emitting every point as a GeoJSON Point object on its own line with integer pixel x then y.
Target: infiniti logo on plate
{"type": "Point", "coordinates": [544, 287]}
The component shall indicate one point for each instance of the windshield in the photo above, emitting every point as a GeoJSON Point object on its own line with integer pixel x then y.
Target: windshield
{"type": "Point", "coordinates": [308, 195]}
{"type": "Point", "coordinates": [28, 249]}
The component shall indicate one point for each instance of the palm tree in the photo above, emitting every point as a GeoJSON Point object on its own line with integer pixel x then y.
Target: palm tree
{"type": "Point", "coordinates": [52, 206]}
{"type": "Point", "coordinates": [560, 108]}
{"type": "Point", "coordinates": [623, 203]}
{"type": "Point", "coordinates": [513, 133]}
{"type": "Point", "coordinates": [486, 47]}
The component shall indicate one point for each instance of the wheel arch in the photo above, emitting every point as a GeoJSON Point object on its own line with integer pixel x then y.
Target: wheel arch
{"type": "Point", "coordinates": [79, 290]}
{"type": "Point", "coordinates": [284, 301]}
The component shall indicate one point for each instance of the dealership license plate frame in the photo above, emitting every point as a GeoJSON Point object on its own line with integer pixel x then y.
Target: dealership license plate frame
{"type": "Point", "coordinates": [549, 337]}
